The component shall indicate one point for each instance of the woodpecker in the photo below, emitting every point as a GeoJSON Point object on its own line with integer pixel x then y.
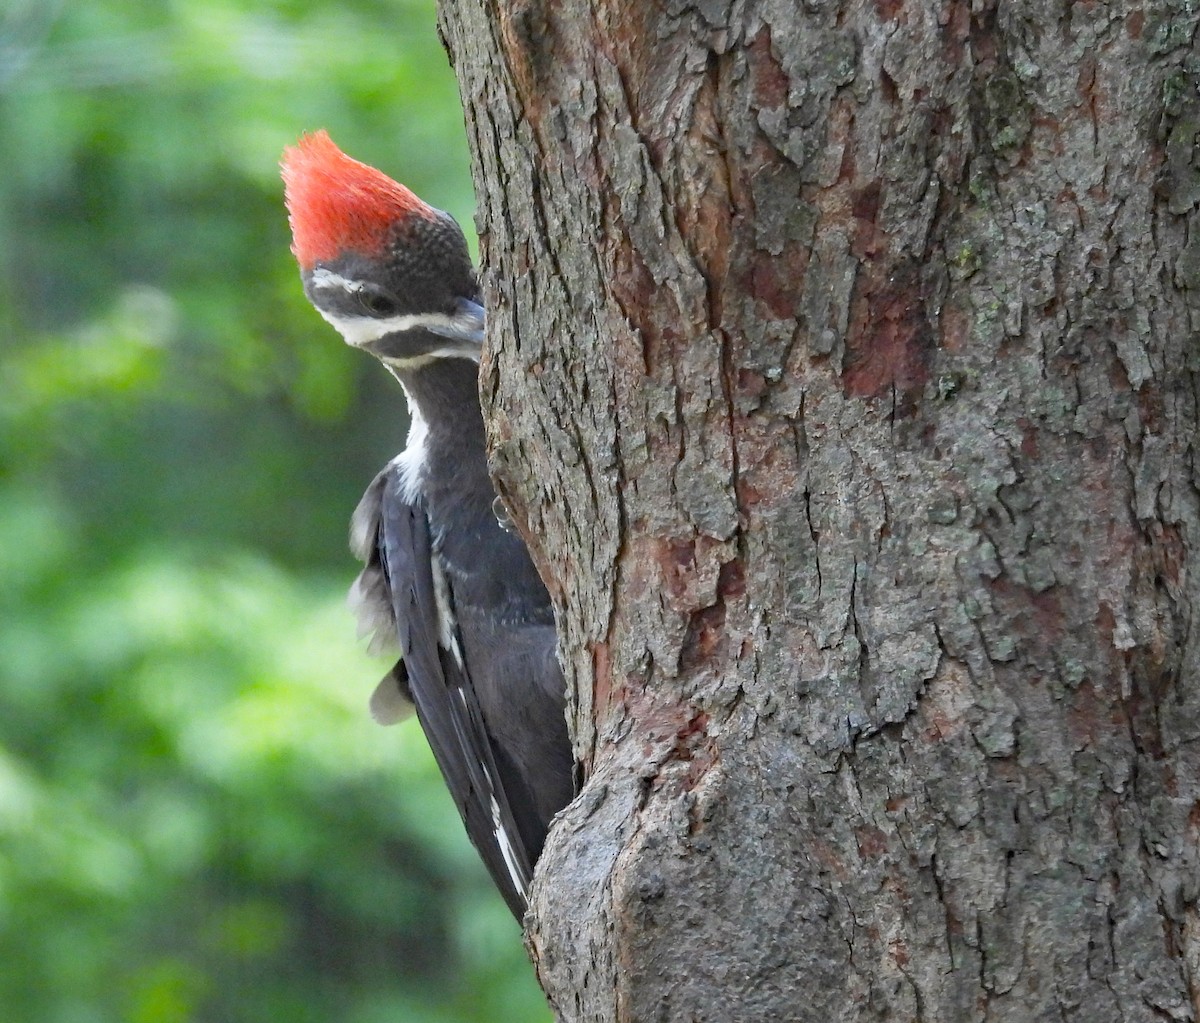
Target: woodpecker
{"type": "Point", "coordinates": [442, 576]}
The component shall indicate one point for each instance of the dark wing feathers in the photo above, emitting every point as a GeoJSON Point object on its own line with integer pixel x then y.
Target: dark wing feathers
{"type": "Point", "coordinates": [437, 680]}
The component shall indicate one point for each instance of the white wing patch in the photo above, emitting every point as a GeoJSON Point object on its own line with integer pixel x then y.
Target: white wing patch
{"type": "Point", "coordinates": [519, 880]}
{"type": "Point", "coordinates": [447, 622]}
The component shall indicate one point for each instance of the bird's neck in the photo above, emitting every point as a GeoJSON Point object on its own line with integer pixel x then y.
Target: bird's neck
{"type": "Point", "coordinates": [447, 440]}
{"type": "Point", "coordinates": [445, 394]}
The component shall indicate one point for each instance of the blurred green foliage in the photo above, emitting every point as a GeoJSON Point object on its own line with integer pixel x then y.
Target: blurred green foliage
{"type": "Point", "coordinates": [198, 821]}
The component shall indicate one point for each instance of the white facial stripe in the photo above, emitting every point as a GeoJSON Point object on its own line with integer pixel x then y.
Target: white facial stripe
{"type": "Point", "coordinates": [323, 278]}
{"type": "Point", "coordinates": [464, 351]}
{"type": "Point", "coordinates": [359, 331]}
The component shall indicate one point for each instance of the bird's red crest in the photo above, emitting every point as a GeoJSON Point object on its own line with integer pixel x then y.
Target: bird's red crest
{"type": "Point", "coordinates": [336, 204]}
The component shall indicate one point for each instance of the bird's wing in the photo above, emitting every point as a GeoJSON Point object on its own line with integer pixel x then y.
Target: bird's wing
{"type": "Point", "coordinates": [370, 599]}
{"type": "Point", "coordinates": [436, 678]}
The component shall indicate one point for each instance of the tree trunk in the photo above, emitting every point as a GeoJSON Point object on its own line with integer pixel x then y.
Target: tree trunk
{"type": "Point", "coordinates": [843, 374]}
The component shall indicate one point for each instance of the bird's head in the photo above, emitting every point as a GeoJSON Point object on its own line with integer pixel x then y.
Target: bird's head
{"type": "Point", "coordinates": [391, 273]}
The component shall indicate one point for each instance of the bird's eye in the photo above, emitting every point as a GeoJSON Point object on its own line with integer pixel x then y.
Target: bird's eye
{"type": "Point", "coordinates": [375, 303]}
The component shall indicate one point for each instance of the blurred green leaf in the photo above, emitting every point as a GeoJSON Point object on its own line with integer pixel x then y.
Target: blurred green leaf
{"type": "Point", "coordinates": [198, 820]}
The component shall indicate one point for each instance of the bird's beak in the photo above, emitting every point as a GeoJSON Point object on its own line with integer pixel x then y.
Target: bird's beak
{"type": "Point", "coordinates": [465, 324]}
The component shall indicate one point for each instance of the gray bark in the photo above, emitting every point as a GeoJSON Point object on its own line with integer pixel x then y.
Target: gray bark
{"type": "Point", "coordinates": [843, 375]}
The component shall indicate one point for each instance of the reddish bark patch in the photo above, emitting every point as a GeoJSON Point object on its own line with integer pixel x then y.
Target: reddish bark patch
{"type": "Point", "coordinates": [704, 203]}
{"type": "Point", "coordinates": [956, 326]}
{"type": "Point", "coordinates": [748, 495]}
{"type": "Point", "coordinates": [865, 201]}
{"type": "Point", "coordinates": [607, 698]}
{"type": "Point", "coordinates": [601, 674]}
{"type": "Point", "coordinates": [1090, 715]}
{"type": "Point", "coordinates": [705, 637]}
{"type": "Point", "coordinates": [941, 121]}
{"type": "Point", "coordinates": [889, 90]}
{"type": "Point", "coordinates": [696, 726]}
{"type": "Point", "coordinates": [868, 239]}
{"type": "Point", "coordinates": [697, 750]}
{"type": "Point", "coordinates": [1088, 88]}
{"type": "Point", "coordinates": [956, 18]}
{"type": "Point", "coordinates": [731, 582]}
{"type": "Point", "coordinates": [631, 284]}
{"type": "Point", "coordinates": [1150, 408]}
{"type": "Point", "coordinates": [1134, 23]}
{"type": "Point", "coordinates": [889, 344]}
{"type": "Point", "coordinates": [683, 565]}
{"type": "Point", "coordinates": [769, 82]}
{"type": "Point", "coordinates": [528, 38]}
{"type": "Point", "coordinates": [694, 748]}
{"type": "Point", "coordinates": [1046, 613]}
{"type": "Point", "coordinates": [699, 764]}
{"type": "Point", "coordinates": [940, 713]}
{"type": "Point", "coordinates": [668, 731]}
{"type": "Point", "coordinates": [777, 281]}
{"type": "Point", "coordinates": [1170, 553]}
{"type": "Point", "coordinates": [840, 134]}
{"type": "Point", "coordinates": [639, 570]}
{"type": "Point", "coordinates": [680, 553]}
{"type": "Point", "coordinates": [829, 856]}
{"type": "Point", "coordinates": [1029, 439]}
{"type": "Point", "coordinates": [768, 469]}
{"type": "Point", "coordinates": [671, 733]}
{"type": "Point", "coordinates": [751, 383]}
{"type": "Point", "coordinates": [889, 10]}
{"type": "Point", "coordinates": [1037, 618]}
{"type": "Point", "coordinates": [1106, 622]}
{"type": "Point", "coordinates": [872, 843]}
{"type": "Point", "coordinates": [1046, 134]}
{"type": "Point", "coordinates": [983, 35]}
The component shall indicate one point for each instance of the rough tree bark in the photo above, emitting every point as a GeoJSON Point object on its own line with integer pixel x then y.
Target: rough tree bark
{"type": "Point", "coordinates": [843, 371]}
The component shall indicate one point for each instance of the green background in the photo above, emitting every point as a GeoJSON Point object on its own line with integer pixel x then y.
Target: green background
{"type": "Point", "coordinates": [198, 819]}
